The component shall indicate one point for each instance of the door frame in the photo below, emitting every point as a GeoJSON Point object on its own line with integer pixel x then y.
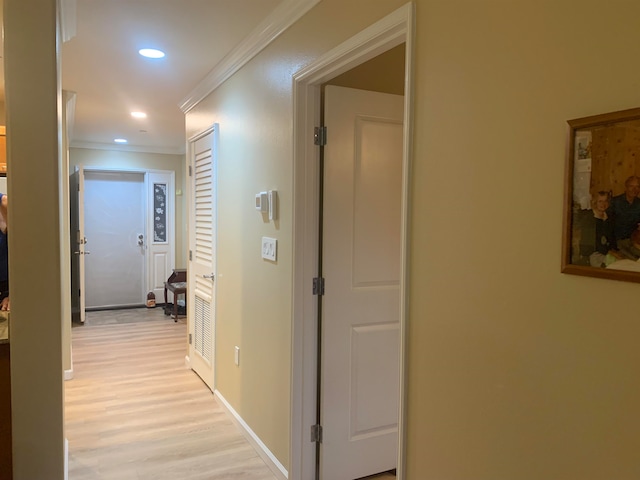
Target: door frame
{"type": "Point", "coordinates": [171, 220]}
{"type": "Point", "coordinates": [391, 31]}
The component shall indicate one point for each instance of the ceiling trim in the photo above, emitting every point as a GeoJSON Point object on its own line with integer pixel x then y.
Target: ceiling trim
{"type": "Point", "coordinates": [68, 19]}
{"type": "Point", "coordinates": [127, 148]}
{"type": "Point", "coordinates": [285, 15]}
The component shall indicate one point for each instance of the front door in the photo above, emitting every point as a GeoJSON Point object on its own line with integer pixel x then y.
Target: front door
{"type": "Point", "coordinates": [359, 380]}
{"type": "Point", "coordinates": [114, 208]}
{"type": "Point", "coordinates": [202, 254]}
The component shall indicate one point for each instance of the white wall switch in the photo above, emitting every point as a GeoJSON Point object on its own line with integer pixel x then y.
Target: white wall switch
{"type": "Point", "coordinates": [236, 357]}
{"type": "Point", "coordinates": [269, 248]}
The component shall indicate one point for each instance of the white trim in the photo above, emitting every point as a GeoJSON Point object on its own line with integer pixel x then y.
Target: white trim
{"type": "Point", "coordinates": [66, 459]}
{"type": "Point", "coordinates": [392, 30]}
{"type": "Point", "coordinates": [71, 112]}
{"type": "Point", "coordinates": [68, 374]}
{"type": "Point", "coordinates": [269, 458]}
{"type": "Point", "coordinates": [286, 14]}
{"type": "Point", "coordinates": [68, 19]}
{"type": "Point", "coordinates": [187, 361]}
{"type": "Point", "coordinates": [128, 148]}
{"type": "Point", "coordinates": [98, 168]}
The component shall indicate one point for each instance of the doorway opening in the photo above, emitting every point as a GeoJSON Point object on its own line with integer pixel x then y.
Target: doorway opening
{"type": "Point", "coordinates": [122, 237]}
{"type": "Point", "coordinates": [391, 33]}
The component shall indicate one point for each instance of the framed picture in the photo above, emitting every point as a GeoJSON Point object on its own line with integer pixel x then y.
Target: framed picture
{"type": "Point", "coordinates": [601, 235]}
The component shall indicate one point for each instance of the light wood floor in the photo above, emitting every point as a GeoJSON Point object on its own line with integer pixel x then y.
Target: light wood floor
{"type": "Point", "coordinates": [134, 411]}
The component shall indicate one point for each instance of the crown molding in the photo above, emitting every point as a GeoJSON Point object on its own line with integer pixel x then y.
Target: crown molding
{"type": "Point", "coordinates": [68, 19]}
{"type": "Point", "coordinates": [128, 148]}
{"type": "Point", "coordinates": [285, 15]}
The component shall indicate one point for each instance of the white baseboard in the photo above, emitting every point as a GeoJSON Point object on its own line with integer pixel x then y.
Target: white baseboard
{"type": "Point", "coordinates": [187, 361]}
{"type": "Point", "coordinates": [68, 374]}
{"type": "Point", "coordinates": [269, 458]}
{"type": "Point", "coordinates": [66, 459]}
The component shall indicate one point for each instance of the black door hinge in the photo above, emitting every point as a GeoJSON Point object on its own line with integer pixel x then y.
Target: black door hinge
{"type": "Point", "coordinates": [320, 136]}
{"type": "Point", "coordinates": [316, 433]}
{"type": "Point", "coordinates": [318, 286]}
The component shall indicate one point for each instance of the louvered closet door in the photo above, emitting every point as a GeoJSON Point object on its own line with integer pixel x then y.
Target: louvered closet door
{"type": "Point", "coordinates": [202, 245]}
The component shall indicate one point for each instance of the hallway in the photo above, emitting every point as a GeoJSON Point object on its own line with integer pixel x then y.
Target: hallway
{"type": "Point", "coordinates": [133, 411]}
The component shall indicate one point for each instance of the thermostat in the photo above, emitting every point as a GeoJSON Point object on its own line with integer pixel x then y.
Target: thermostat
{"type": "Point", "coordinates": [262, 202]}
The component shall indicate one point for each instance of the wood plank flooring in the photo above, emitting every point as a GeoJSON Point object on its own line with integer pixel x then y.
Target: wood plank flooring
{"type": "Point", "coordinates": [133, 410]}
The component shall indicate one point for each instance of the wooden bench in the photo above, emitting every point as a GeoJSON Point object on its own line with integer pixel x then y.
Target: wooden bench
{"type": "Point", "coordinates": [176, 284]}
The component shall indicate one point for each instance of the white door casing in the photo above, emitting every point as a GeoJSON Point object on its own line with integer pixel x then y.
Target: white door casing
{"type": "Point", "coordinates": [388, 32]}
{"type": "Point", "coordinates": [361, 267]}
{"type": "Point", "coordinates": [160, 233]}
{"type": "Point", "coordinates": [158, 255]}
{"type": "Point", "coordinates": [202, 254]}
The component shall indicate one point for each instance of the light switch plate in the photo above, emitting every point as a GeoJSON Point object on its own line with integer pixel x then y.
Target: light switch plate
{"type": "Point", "coordinates": [269, 248]}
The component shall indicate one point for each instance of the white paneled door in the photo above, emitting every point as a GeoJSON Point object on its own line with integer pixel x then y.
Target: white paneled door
{"type": "Point", "coordinates": [361, 266]}
{"type": "Point", "coordinates": [202, 254]}
{"type": "Point", "coordinates": [114, 214]}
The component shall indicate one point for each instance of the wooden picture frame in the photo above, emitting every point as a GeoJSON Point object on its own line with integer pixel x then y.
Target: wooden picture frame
{"type": "Point", "coordinates": [3, 151]}
{"type": "Point", "coordinates": [603, 170]}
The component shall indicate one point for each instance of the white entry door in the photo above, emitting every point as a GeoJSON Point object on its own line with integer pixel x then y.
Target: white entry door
{"type": "Point", "coordinates": [114, 208]}
{"type": "Point", "coordinates": [202, 254]}
{"type": "Point", "coordinates": [361, 267]}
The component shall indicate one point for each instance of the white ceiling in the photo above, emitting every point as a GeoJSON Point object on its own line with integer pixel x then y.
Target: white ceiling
{"type": "Point", "coordinates": [102, 66]}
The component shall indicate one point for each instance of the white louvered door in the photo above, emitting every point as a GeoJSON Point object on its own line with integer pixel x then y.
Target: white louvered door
{"type": "Point", "coordinates": [202, 253]}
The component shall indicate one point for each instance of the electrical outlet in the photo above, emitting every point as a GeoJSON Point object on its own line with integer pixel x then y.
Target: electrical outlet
{"type": "Point", "coordinates": [269, 248]}
{"type": "Point", "coordinates": [236, 357]}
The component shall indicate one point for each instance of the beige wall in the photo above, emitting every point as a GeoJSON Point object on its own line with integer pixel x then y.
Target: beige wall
{"type": "Point", "coordinates": [516, 371]}
{"type": "Point", "coordinates": [147, 161]}
{"type": "Point", "coordinates": [35, 267]}
{"type": "Point", "coordinates": [384, 73]}
{"type": "Point", "coordinates": [254, 110]}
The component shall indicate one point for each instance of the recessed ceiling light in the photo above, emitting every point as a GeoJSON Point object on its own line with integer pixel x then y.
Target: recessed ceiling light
{"type": "Point", "coordinates": [120, 140]}
{"type": "Point", "coordinates": [138, 115]}
{"type": "Point", "coordinates": [151, 53]}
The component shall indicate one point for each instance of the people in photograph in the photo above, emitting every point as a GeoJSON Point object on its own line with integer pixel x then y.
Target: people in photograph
{"type": "Point", "coordinates": [630, 247]}
{"type": "Point", "coordinates": [595, 232]}
{"type": "Point", "coordinates": [4, 253]}
{"type": "Point", "coordinates": [624, 210]}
